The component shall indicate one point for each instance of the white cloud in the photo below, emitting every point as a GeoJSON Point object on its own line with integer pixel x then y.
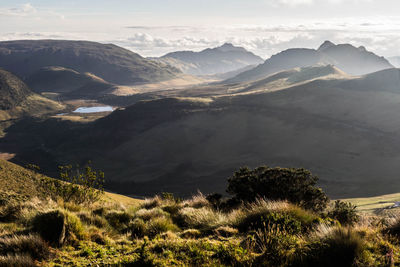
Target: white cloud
{"type": "Point", "coordinates": [21, 10]}
{"type": "Point", "coordinates": [291, 3]}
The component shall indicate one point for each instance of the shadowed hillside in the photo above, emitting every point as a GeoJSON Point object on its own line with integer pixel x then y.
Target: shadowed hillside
{"type": "Point", "coordinates": [16, 99]}
{"type": "Point", "coordinates": [69, 83]}
{"type": "Point", "coordinates": [108, 61]}
{"type": "Point", "coordinates": [343, 129]}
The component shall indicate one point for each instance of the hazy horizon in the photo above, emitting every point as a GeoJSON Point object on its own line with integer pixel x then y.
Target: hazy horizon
{"type": "Point", "coordinates": [263, 27]}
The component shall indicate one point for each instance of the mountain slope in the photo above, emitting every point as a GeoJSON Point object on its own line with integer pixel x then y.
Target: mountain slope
{"type": "Point", "coordinates": [352, 60]}
{"type": "Point", "coordinates": [69, 83]}
{"type": "Point", "coordinates": [395, 61]}
{"type": "Point", "coordinates": [16, 99]}
{"type": "Point", "coordinates": [108, 61]}
{"type": "Point", "coordinates": [346, 130]}
{"type": "Point", "coordinates": [61, 80]}
{"type": "Point", "coordinates": [225, 58]}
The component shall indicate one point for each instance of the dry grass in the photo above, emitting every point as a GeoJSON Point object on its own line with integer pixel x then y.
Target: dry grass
{"type": "Point", "coordinates": [197, 201]}
{"type": "Point", "coordinates": [31, 245]}
{"type": "Point", "coordinates": [17, 261]}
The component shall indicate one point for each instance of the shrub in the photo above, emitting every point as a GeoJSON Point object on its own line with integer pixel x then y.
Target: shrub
{"type": "Point", "coordinates": [31, 245]}
{"type": "Point", "coordinates": [295, 185]}
{"type": "Point", "coordinates": [76, 185]}
{"type": "Point", "coordinates": [344, 212]}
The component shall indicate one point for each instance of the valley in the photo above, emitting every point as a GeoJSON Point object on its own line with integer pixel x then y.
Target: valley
{"type": "Point", "coordinates": [315, 116]}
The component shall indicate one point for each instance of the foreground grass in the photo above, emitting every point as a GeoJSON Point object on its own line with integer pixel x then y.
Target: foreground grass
{"type": "Point", "coordinates": [165, 231]}
{"type": "Point", "coordinates": [169, 232]}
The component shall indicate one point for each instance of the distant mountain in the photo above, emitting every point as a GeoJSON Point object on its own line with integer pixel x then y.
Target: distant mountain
{"type": "Point", "coordinates": [16, 99]}
{"type": "Point", "coordinates": [345, 129]}
{"type": "Point", "coordinates": [225, 58]}
{"type": "Point", "coordinates": [350, 59]}
{"type": "Point", "coordinates": [395, 61]}
{"type": "Point", "coordinates": [110, 62]}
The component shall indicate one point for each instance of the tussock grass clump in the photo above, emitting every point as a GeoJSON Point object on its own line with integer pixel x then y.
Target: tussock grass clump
{"type": "Point", "coordinates": [98, 236]}
{"type": "Point", "coordinates": [149, 214]}
{"type": "Point", "coordinates": [190, 233]}
{"type": "Point", "coordinates": [336, 246]}
{"type": "Point", "coordinates": [393, 227]}
{"type": "Point", "coordinates": [277, 247]}
{"type": "Point", "coordinates": [11, 212]}
{"type": "Point", "coordinates": [51, 226]}
{"type": "Point", "coordinates": [226, 231]}
{"type": "Point", "coordinates": [140, 228]}
{"type": "Point", "coordinates": [204, 219]}
{"type": "Point", "coordinates": [160, 225]}
{"type": "Point", "coordinates": [150, 203]}
{"type": "Point", "coordinates": [119, 220]}
{"type": "Point", "coordinates": [93, 219]}
{"type": "Point", "coordinates": [17, 261]}
{"type": "Point", "coordinates": [32, 245]}
{"type": "Point", "coordinates": [58, 227]}
{"type": "Point", "coordinates": [286, 216]}
{"type": "Point", "coordinates": [197, 201]}
{"type": "Point", "coordinates": [74, 227]}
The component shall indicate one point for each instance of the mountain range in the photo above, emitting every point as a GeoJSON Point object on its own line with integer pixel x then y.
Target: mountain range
{"type": "Point", "coordinates": [110, 62]}
{"type": "Point", "coordinates": [211, 61]}
{"type": "Point", "coordinates": [350, 59]}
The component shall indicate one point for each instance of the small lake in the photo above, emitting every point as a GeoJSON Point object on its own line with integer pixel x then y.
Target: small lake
{"type": "Point", "coordinates": [93, 109]}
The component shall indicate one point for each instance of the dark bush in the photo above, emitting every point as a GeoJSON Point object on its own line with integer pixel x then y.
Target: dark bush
{"type": "Point", "coordinates": [295, 185]}
{"type": "Point", "coordinates": [344, 212]}
{"type": "Point", "coordinates": [51, 226]}
{"type": "Point", "coordinates": [57, 227]}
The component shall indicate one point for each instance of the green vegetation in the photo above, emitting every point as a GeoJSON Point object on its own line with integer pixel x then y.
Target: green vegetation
{"type": "Point", "coordinates": [169, 231]}
{"type": "Point", "coordinates": [295, 185]}
{"type": "Point", "coordinates": [77, 186]}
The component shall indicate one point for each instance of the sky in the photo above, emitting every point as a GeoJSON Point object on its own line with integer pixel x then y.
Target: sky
{"type": "Point", "coordinates": [156, 27]}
